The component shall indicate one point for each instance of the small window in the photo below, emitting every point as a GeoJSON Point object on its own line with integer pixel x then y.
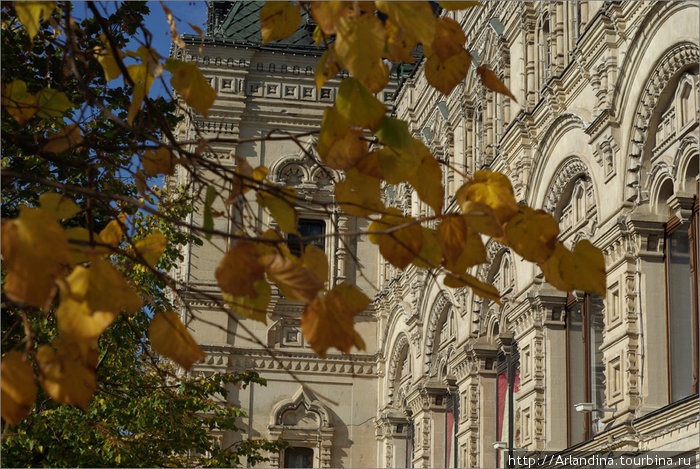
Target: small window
{"type": "Point", "coordinates": [297, 456]}
{"type": "Point", "coordinates": [310, 232]}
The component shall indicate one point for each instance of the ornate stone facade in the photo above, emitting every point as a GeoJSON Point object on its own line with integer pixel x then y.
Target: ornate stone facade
{"type": "Point", "coordinates": [604, 135]}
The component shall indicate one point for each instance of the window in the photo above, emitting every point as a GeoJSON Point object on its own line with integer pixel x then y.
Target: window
{"type": "Point", "coordinates": [545, 44]}
{"type": "Point", "coordinates": [507, 384]}
{"type": "Point", "coordinates": [585, 367]}
{"type": "Point", "coordinates": [451, 429]}
{"type": "Point", "coordinates": [579, 202]}
{"type": "Point", "coordinates": [577, 19]}
{"type": "Point", "coordinates": [298, 457]}
{"type": "Point", "coordinates": [682, 286]}
{"type": "Point", "coordinates": [310, 232]}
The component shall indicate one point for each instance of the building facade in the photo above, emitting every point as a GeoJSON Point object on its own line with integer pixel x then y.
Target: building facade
{"type": "Point", "coordinates": [604, 136]}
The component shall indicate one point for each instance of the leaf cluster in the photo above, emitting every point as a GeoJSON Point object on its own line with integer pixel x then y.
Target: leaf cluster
{"type": "Point", "coordinates": [99, 250]}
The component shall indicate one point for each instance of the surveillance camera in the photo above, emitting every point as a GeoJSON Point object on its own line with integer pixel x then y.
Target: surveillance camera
{"type": "Point", "coordinates": [584, 407]}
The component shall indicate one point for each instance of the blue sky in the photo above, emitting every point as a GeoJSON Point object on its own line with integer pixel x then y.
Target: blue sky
{"type": "Point", "coordinates": [185, 12]}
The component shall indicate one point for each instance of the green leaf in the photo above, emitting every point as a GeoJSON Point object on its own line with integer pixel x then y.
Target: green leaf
{"type": "Point", "coordinates": [358, 106]}
{"type": "Point", "coordinates": [208, 223]}
{"type": "Point", "coordinates": [52, 103]}
{"type": "Point", "coordinates": [394, 133]}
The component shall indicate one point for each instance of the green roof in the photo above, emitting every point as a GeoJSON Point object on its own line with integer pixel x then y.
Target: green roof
{"type": "Point", "coordinates": [239, 23]}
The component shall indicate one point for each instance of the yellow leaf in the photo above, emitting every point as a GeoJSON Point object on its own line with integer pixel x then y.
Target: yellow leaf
{"type": "Point", "coordinates": [585, 269]}
{"type": "Point", "coordinates": [79, 251]}
{"type": "Point", "coordinates": [77, 322]}
{"type": "Point", "coordinates": [450, 6]}
{"type": "Point", "coordinates": [359, 44]}
{"type": "Point", "coordinates": [327, 67]}
{"type": "Point", "coordinates": [430, 255]}
{"type": "Point", "coordinates": [112, 233]}
{"type": "Point", "coordinates": [252, 308]}
{"type": "Point", "coordinates": [427, 180]}
{"type": "Point", "coordinates": [18, 387]}
{"type": "Point", "coordinates": [64, 375]}
{"type": "Point", "coordinates": [399, 246]}
{"type": "Point", "coordinates": [358, 106]}
{"type": "Point", "coordinates": [473, 253]}
{"type": "Point", "coordinates": [151, 247]}
{"type": "Point", "coordinates": [35, 252]}
{"type": "Point", "coordinates": [327, 14]}
{"type": "Point", "coordinates": [414, 18]}
{"type": "Point", "coordinates": [169, 337]}
{"type": "Point", "coordinates": [160, 161]}
{"type": "Point", "coordinates": [315, 260]}
{"type": "Point", "coordinates": [445, 75]}
{"type": "Point", "coordinates": [339, 145]}
{"type": "Point", "coordinates": [318, 35]}
{"type": "Point", "coordinates": [174, 36]}
{"type": "Point", "coordinates": [399, 166]}
{"type": "Point", "coordinates": [452, 235]}
{"type": "Point", "coordinates": [532, 234]}
{"type": "Point", "coordinates": [480, 288]}
{"type": "Point", "coordinates": [491, 81]}
{"type": "Point", "coordinates": [399, 43]}
{"type": "Point", "coordinates": [19, 104]}
{"type": "Point", "coordinates": [59, 206]}
{"type": "Point", "coordinates": [359, 194]}
{"type": "Point", "coordinates": [260, 173]}
{"type": "Point", "coordinates": [29, 14]}
{"type": "Point", "coordinates": [189, 82]}
{"type": "Point", "coordinates": [105, 57]}
{"type": "Point", "coordinates": [67, 138]}
{"type": "Point", "coordinates": [51, 103]}
{"type": "Point", "coordinates": [328, 321]}
{"type": "Point", "coordinates": [103, 287]}
{"type": "Point", "coordinates": [281, 207]}
{"type": "Point", "coordinates": [242, 180]}
{"type": "Point", "coordinates": [449, 39]}
{"type": "Point", "coordinates": [493, 189]}
{"type": "Point", "coordinates": [481, 218]}
{"type": "Point", "coordinates": [142, 77]}
{"type": "Point", "coordinates": [239, 269]}
{"type": "Point", "coordinates": [551, 268]}
{"type": "Point", "coordinates": [278, 20]}
{"type": "Point", "coordinates": [295, 281]}
{"type": "Point", "coordinates": [370, 166]}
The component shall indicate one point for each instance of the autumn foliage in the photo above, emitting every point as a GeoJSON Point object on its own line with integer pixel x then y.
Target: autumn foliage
{"type": "Point", "coordinates": [57, 263]}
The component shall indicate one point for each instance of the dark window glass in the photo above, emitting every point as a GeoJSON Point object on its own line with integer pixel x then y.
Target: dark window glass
{"type": "Point", "coordinates": [310, 232]}
{"type": "Point", "coordinates": [595, 355]}
{"type": "Point", "coordinates": [507, 415]}
{"type": "Point", "coordinates": [680, 312]}
{"type": "Point", "coordinates": [576, 372]}
{"type": "Point", "coordinates": [298, 457]}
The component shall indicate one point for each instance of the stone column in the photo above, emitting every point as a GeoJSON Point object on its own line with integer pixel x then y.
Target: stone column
{"type": "Point", "coordinates": [427, 404]}
{"type": "Point", "coordinates": [543, 363]}
{"type": "Point", "coordinates": [475, 370]}
{"type": "Point", "coordinates": [341, 251]}
{"type": "Point", "coordinates": [392, 434]}
{"type": "Point", "coordinates": [628, 289]}
{"type": "Point", "coordinates": [559, 39]}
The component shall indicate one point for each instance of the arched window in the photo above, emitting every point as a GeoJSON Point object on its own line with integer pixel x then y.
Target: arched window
{"type": "Point", "coordinates": [681, 248]}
